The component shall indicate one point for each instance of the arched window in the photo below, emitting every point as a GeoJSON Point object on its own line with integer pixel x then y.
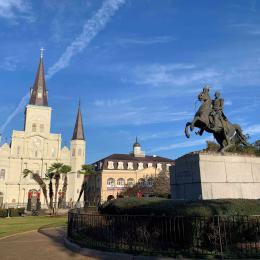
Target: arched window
{"type": "Point", "coordinates": [79, 152]}
{"type": "Point", "coordinates": [41, 128]}
{"type": "Point", "coordinates": [33, 127]}
{"type": "Point", "coordinates": [120, 182]}
{"type": "Point", "coordinates": [110, 183]}
{"type": "Point", "coordinates": [73, 152]}
{"type": "Point", "coordinates": [18, 150]}
{"type": "Point", "coordinates": [52, 152]}
{"type": "Point", "coordinates": [2, 174]}
{"type": "Point", "coordinates": [36, 153]}
{"type": "Point", "coordinates": [150, 182]}
{"type": "Point", "coordinates": [141, 182]}
{"type": "Point", "coordinates": [130, 182]}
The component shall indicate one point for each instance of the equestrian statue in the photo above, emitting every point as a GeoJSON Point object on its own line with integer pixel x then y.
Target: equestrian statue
{"type": "Point", "coordinates": [210, 117]}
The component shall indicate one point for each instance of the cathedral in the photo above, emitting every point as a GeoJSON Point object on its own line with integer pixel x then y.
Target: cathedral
{"type": "Point", "coordinates": [36, 148]}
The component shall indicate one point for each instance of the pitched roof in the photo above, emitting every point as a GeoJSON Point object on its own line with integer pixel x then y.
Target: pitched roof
{"type": "Point", "coordinates": [131, 157]}
{"type": "Point", "coordinates": [78, 133]}
{"type": "Point", "coordinates": [39, 95]}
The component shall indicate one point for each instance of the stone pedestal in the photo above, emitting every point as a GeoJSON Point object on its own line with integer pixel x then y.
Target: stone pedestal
{"type": "Point", "coordinates": [215, 176]}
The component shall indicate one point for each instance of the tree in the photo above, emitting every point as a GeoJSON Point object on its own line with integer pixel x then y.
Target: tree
{"type": "Point", "coordinates": [65, 169]}
{"type": "Point", "coordinates": [36, 177]}
{"type": "Point", "coordinates": [54, 172]}
{"type": "Point", "coordinates": [86, 170]}
{"type": "Point", "coordinates": [49, 176]}
{"type": "Point", "coordinates": [158, 185]}
{"type": "Point", "coordinates": [55, 169]}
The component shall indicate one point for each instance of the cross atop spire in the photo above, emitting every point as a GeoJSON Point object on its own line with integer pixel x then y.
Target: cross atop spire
{"type": "Point", "coordinates": [42, 50]}
{"type": "Point", "coordinates": [78, 133]}
{"type": "Point", "coordinates": [39, 94]}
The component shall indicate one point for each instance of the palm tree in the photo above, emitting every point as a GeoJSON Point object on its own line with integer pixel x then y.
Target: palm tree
{"type": "Point", "coordinates": [36, 177]}
{"type": "Point", "coordinates": [65, 169]}
{"type": "Point", "coordinates": [50, 176]}
{"type": "Point", "coordinates": [87, 170]}
{"type": "Point", "coordinates": [55, 169]}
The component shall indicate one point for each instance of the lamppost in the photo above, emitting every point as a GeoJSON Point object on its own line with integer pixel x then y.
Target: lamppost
{"type": "Point", "coordinates": [23, 195]}
{"type": "Point", "coordinates": [8, 213]}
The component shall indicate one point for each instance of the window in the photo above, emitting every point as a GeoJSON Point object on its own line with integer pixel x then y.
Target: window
{"type": "Point", "coordinates": [110, 182]}
{"type": "Point", "coordinates": [79, 152]}
{"type": "Point", "coordinates": [159, 166]}
{"type": "Point", "coordinates": [18, 151]}
{"type": "Point", "coordinates": [150, 182]}
{"type": "Point", "coordinates": [63, 176]}
{"type": "Point", "coordinates": [110, 165]}
{"type": "Point", "coordinates": [120, 182]}
{"type": "Point", "coordinates": [78, 174]}
{"type": "Point", "coordinates": [130, 182]}
{"type": "Point", "coordinates": [130, 166]}
{"type": "Point", "coordinates": [168, 165]}
{"type": "Point", "coordinates": [141, 182]}
{"type": "Point", "coordinates": [140, 166]}
{"type": "Point", "coordinates": [2, 174]}
{"type": "Point", "coordinates": [73, 152]}
{"type": "Point", "coordinates": [52, 152]}
{"type": "Point", "coordinates": [41, 128]}
{"type": "Point", "coordinates": [36, 153]}
{"type": "Point", "coordinates": [39, 93]}
{"type": "Point", "coordinates": [120, 166]}
{"type": "Point", "coordinates": [33, 127]}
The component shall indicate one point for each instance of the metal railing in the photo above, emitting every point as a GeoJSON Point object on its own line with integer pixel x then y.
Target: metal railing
{"type": "Point", "coordinates": [218, 236]}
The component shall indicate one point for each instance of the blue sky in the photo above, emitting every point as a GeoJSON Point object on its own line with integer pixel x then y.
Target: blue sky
{"type": "Point", "coordinates": [136, 65]}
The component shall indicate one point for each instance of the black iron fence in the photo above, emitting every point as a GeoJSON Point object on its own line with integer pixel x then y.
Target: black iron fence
{"type": "Point", "coordinates": [219, 236]}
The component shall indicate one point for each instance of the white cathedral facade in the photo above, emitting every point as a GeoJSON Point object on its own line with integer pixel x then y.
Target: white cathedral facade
{"type": "Point", "coordinates": [36, 148]}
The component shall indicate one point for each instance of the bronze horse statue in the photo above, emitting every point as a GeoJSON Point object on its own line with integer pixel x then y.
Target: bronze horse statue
{"type": "Point", "coordinates": [225, 133]}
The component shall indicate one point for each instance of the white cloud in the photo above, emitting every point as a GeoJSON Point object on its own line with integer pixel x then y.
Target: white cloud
{"type": "Point", "coordinates": [9, 63]}
{"type": "Point", "coordinates": [90, 29]}
{"type": "Point", "coordinates": [137, 115]}
{"type": "Point", "coordinates": [19, 108]}
{"type": "Point", "coordinates": [12, 9]}
{"type": "Point", "coordinates": [253, 129]}
{"type": "Point", "coordinates": [110, 102]}
{"type": "Point", "coordinates": [173, 75]}
{"type": "Point", "coordinates": [185, 144]}
{"type": "Point", "coordinates": [161, 135]}
{"type": "Point", "coordinates": [145, 41]}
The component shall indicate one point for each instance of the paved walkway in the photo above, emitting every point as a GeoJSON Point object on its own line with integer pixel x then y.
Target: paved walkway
{"type": "Point", "coordinates": [48, 244]}
{"type": "Point", "coordinates": [34, 245]}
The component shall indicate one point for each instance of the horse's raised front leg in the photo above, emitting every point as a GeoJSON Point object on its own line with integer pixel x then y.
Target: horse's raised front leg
{"type": "Point", "coordinates": [187, 129]}
{"type": "Point", "coordinates": [192, 125]}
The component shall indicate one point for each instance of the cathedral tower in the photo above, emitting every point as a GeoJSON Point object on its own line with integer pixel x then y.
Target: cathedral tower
{"type": "Point", "coordinates": [77, 144]}
{"type": "Point", "coordinates": [37, 112]}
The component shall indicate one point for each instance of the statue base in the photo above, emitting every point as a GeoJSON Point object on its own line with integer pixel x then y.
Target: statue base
{"type": "Point", "coordinates": [215, 176]}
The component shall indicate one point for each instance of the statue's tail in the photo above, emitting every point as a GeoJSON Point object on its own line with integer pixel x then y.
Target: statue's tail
{"type": "Point", "coordinates": [187, 130]}
{"type": "Point", "coordinates": [240, 134]}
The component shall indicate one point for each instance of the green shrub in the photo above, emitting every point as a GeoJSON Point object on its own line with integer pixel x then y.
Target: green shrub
{"type": "Point", "coordinates": [12, 212]}
{"type": "Point", "coordinates": [160, 206]}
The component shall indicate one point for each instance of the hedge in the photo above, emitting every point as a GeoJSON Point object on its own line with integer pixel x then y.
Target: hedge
{"type": "Point", "coordinates": [160, 206]}
{"type": "Point", "coordinates": [12, 212]}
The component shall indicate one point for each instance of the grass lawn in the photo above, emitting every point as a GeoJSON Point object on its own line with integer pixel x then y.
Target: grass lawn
{"type": "Point", "coordinates": [14, 225]}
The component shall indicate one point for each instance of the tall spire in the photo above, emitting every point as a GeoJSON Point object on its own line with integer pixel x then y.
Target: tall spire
{"type": "Point", "coordinates": [78, 133]}
{"type": "Point", "coordinates": [39, 95]}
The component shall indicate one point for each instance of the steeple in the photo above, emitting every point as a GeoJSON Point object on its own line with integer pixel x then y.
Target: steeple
{"type": "Point", "coordinates": [78, 133]}
{"type": "Point", "coordinates": [39, 94]}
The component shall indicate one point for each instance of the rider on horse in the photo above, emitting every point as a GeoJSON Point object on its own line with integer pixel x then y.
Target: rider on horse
{"type": "Point", "coordinates": [217, 115]}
